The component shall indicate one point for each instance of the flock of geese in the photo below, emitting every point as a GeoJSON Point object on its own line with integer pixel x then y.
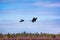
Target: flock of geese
{"type": "Point", "coordinates": [33, 20]}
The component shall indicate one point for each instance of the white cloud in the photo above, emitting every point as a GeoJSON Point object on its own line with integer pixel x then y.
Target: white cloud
{"type": "Point", "coordinates": [38, 4]}
{"type": "Point", "coordinates": [48, 4]}
{"type": "Point", "coordinates": [46, 26]}
{"type": "Point", "coordinates": [29, 12]}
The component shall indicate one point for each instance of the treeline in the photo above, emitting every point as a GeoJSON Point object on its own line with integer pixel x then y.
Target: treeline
{"type": "Point", "coordinates": [29, 35]}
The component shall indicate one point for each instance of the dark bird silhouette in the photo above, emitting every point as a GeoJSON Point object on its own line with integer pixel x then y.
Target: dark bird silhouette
{"type": "Point", "coordinates": [21, 20]}
{"type": "Point", "coordinates": [34, 19]}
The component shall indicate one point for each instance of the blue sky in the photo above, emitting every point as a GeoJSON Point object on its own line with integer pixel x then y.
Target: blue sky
{"type": "Point", "coordinates": [47, 12]}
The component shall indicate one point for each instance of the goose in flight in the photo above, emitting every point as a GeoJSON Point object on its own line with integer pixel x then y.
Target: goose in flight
{"type": "Point", "coordinates": [21, 20]}
{"type": "Point", "coordinates": [34, 19]}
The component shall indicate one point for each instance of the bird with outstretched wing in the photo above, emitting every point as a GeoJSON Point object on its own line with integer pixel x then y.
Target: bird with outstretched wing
{"type": "Point", "coordinates": [21, 20]}
{"type": "Point", "coordinates": [34, 19]}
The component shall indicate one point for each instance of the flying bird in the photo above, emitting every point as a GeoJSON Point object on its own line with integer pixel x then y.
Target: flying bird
{"type": "Point", "coordinates": [21, 20]}
{"type": "Point", "coordinates": [34, 19]}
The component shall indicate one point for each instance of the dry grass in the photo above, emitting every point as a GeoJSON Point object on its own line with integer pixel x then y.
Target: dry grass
{"type": "Point", "coordinates": [29, 36]}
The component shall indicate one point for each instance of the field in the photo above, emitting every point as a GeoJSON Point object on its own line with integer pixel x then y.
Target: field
{"type": "Point", "coordinates": [29, 36]}
{"type": "Point", "coordinates": [30, 39]}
